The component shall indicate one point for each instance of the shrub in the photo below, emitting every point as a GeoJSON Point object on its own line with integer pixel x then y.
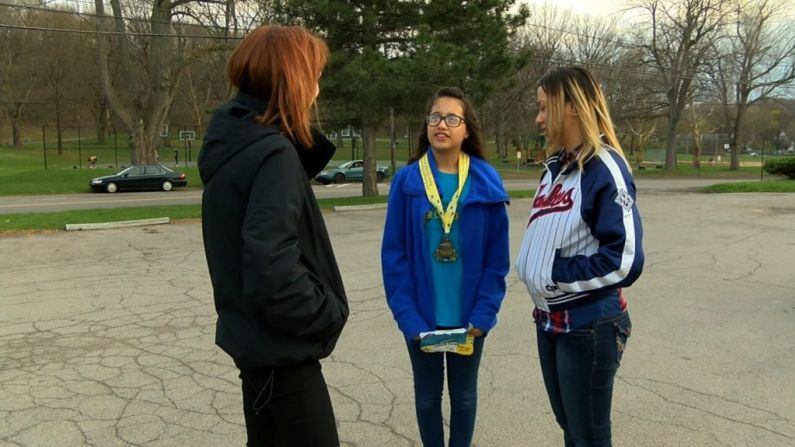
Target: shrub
{"type": "Point", "coordinates": [781, 166]}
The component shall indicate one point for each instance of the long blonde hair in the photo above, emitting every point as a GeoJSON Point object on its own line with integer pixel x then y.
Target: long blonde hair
{"type": "Point", "coordinates": [577, 87]}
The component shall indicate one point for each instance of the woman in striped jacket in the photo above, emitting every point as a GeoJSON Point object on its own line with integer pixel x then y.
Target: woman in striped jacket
{"type": "Point", "coordinates": [582, 246]}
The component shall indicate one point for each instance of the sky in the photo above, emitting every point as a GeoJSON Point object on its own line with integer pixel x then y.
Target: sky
{"type": "Point", "coordinates": [598, 8]}
{"type": "Point", "coordinates": [606, 8]}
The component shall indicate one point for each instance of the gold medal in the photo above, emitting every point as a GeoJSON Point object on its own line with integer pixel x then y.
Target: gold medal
{"type": "Point", "coordinates": [445, 251]}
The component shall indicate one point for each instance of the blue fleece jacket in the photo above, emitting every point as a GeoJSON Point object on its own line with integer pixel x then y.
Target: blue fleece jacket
{"type": "Point", "coordinates": [406, 263]}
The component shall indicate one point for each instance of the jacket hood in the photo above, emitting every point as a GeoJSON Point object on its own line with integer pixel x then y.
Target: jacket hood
{"type": "Point", "coordinates": [231, 130]}
{"type": "Point", "coordinates": [486, 185]}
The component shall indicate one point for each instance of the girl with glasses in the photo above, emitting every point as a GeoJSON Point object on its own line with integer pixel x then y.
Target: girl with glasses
{"type": "Point", "coordinates": [582, 246]}
{"type": "Point", "coordinates": [444, 259]}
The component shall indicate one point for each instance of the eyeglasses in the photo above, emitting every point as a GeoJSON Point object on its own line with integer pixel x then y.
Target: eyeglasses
{"type": "Point", "coordinates": [449, 120]}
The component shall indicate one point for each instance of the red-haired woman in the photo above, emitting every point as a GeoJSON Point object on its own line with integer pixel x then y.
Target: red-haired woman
{"type": "Point", "coordinates": [278, 292]}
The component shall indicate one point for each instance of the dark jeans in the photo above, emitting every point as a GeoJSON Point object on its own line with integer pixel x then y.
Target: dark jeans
{"type": "Point", "coordinates": [462, 382]}
{"type": "Point", "coordinates": [288, 406]}
{"type": "Point", "coordinates": [579, 368]}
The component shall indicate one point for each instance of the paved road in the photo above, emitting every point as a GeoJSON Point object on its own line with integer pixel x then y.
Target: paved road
{"type": "Point", "coordinates": [62, 202]}
{"type": "Point", "coordinates": [106, 338]}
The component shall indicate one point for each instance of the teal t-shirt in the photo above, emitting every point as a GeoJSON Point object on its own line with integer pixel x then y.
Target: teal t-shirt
{"type": "Point", "coordinates": [446, 276]}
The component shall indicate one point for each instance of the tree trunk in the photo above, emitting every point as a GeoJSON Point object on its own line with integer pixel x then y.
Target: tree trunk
{"type": "Point", "coordinates": [3, 119]}
{"type": "Point", "coordinates": [369, 184]}
{"type": "Point", "coordinates": [670, 146]}
{"type": "Point", "coordinates": [697, 151]}
{"type": "Point", "coordinates": [195, 105]}
{"type": "Point", "coordinates": [670, 149]}
{"type": "Point", "coordinates": [58, 129]}
{"type": "Point", "coordinates": [499, 140]}
{"type": "Point", "coordinates": [392, 142]}
{"type": "Point", "coordinates": [143, 143]}
{"type": "Point", "coordinates": [103, 119]}
{"type": "Point", "coordinates": [736, 140]}
{"type": "Point", "coordinates": [409, 142]}
{"type": "Point", "coordinates": [142, 124]}
{"type": "Point", "coordinates": [16, 131]}
{"type": "Point", "coordinates": [16, 134]}
{"type": "Point", "coordinates": [633, 151]}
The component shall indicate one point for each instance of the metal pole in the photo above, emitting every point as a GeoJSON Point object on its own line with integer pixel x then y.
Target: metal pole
{"type": "Point", "coordinates": [392, 139]}
{"type": "Point", "coordinates": [116, 146]}
{"type": "Point", "coordinates": [687, 144]}
{"type": "Point", "coordinates": [79, 150]}
{"type": "Point", "coordinates": [44, 144]}
{"type": "Point", "coordinates": [762, 166]}
{"type": "Point", "coordinates": [409, 141]}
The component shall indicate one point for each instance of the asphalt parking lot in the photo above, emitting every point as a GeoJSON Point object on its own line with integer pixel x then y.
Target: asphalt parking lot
{"type": "Point", "coordinates": [106, 338]}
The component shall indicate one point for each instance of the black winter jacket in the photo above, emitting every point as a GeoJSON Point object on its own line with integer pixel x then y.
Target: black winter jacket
{"type": "Point", "coordinates": [277, 288]}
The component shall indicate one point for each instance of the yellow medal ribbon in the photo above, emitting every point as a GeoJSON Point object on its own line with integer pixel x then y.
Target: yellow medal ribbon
{"type": "Point", "coordinates": [431, 191]}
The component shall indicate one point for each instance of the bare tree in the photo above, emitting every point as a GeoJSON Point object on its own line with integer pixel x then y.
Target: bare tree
{"type": "Point", "coordinates": [682, 33]}
{"type": "Point", "coordinates": [758, 58]}
{"type": "Point", "coordinates": [57, 50]}
{"type": "Point", "coordinates": [633, 95]}
{"type": "Point", "coordinates": [553, 37]}
{"type": "Point", "coordinates": [205, 81]}
{"type": "Point", "coordinates": [510, 113]}
{"type": "Point", "coordinates": [595, 43]}
{"type": "Point", "coordinates": [17, 81]}
{"type": "Point", "coordinates": [544, 36]}
{"type": "Point", "coordinates": [160, 64]}
{"type": "Point", "coordinates": [699, 119]}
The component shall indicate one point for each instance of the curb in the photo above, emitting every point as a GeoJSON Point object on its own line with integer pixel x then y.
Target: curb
{"type": "Point", "coordinates": [119, 224]}
{"type": "Point", "coordinates": [373, 206]}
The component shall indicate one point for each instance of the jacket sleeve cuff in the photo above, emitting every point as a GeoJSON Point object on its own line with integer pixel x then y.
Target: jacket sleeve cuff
{"type": "Point", "coordinates": [412, 329]}
{"type": "Point", "coordinates": [484, 323]}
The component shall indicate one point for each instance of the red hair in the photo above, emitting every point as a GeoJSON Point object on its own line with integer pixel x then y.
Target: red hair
{"type": "Point", "coordinates": [281, 65]}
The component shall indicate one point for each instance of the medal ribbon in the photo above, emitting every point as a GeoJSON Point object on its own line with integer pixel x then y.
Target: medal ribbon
{"type": "Point", "coordinates": [447, 216]}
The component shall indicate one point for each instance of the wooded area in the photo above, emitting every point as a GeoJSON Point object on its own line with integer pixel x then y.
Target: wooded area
{"type": "Point", "coordinates": [670, 68]}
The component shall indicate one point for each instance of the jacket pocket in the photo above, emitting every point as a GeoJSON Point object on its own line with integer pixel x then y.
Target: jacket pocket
{"type": "Point", "coordinates": [623, 331]}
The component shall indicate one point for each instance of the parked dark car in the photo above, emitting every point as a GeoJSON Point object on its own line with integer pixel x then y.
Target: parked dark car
{"type": "Point", "coordinates": [140, 177]}
{"type": "Point", "coordinates": [350, 170]}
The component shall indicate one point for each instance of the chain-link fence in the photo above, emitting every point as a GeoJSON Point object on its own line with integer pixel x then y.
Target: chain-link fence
{"type": "Point", "coordinates": [84, 147]}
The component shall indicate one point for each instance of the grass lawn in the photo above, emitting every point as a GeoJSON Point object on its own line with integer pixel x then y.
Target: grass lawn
{"type": "Point", "coordinates": [64, 180]}
{"type": "Point", "coordinates": [22, 169]}
{"type": "Point", "coordinates": [719, 171]}
{"type": "Point", "coordinates": [58, 220]}
{"type": "Point", "coordinates": [766, 186]}
{"type": "Point", "coordinates": [13, 223]}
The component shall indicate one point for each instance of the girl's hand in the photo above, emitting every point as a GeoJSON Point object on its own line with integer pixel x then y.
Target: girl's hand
{"type": "Point", "coordinates": [475, 332]}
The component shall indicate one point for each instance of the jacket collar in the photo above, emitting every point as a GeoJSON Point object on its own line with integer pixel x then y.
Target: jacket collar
{"type": "Point", "coordinates": [555, 162]}
{"type": "Point", "coordinates": [484, 185]}
{"type": "Point", "coordinates": [252, 102]}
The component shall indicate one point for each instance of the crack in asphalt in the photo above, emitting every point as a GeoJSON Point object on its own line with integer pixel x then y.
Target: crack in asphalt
{"type": "Point", "coordinates": [107, 339]}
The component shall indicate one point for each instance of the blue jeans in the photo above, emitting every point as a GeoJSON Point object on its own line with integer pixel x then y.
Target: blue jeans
{"type": "Point", "coordinates": [578, 369]}
{"type": "Point", "coordinates": [462, 382]}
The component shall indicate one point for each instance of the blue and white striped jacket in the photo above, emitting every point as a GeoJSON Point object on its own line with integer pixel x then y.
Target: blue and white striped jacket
{"type": "Point", "coordinates": [584, 234]}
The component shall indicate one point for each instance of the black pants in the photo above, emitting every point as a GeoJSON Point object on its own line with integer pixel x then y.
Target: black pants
{"type": "Point", "coordinates": [288, 406]}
